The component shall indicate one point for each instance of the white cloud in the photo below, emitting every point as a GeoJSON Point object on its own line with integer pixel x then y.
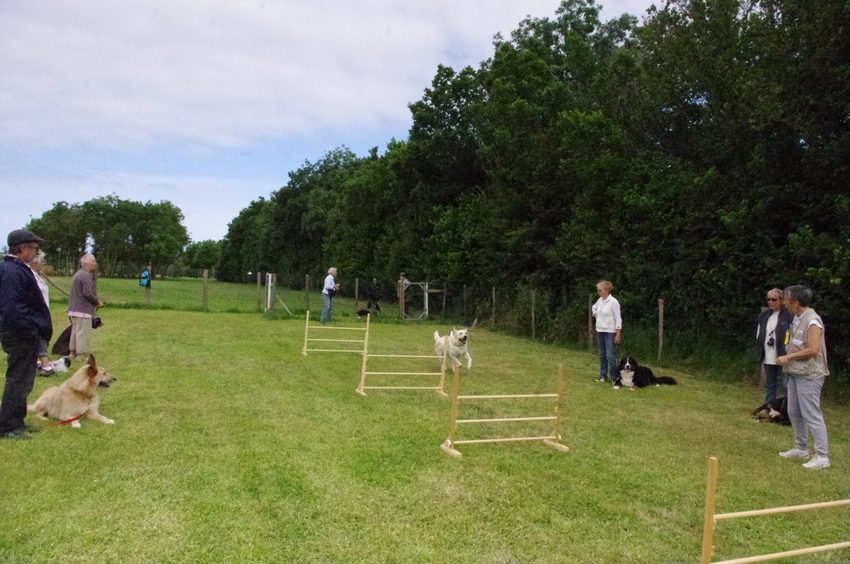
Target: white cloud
{"type": "Point", "coordinates": [121, 82]}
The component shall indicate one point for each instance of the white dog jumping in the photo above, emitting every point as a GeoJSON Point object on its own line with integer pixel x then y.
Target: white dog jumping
{"type": "Point", "coordinates": [457, 347]}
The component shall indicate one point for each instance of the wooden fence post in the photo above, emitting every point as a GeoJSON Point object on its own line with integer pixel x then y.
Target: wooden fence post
{"type": "Point", "coordinates": [532, 314]}
{"type": "Point", "coordinates": [400, 293]}
{"type": "Point", "coordinates": [445, 293]}
{"type": "Point", "coordinates": [259, 291]}
{"type": "Point", "coordinates": [465, 316]}
{"type": "Point", "coordinates": [148, 287]}
{"type": "Point", "coordinates": [660, 328]}
{"type": "Point", "coordinates": [493, 311]}
{"type": "Point", "coordinates": [206, 276]}
{"type": "Point", "coordinates": [306, 292]}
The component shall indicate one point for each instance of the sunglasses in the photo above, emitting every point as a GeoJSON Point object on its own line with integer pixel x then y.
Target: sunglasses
{"type": "Point", "coordinates": [773, 299]}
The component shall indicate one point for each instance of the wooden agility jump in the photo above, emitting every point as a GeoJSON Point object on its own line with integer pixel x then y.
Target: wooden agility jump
{"type": "Point", "coordinates": [440, 389]}
{"type": "Point", "coordinates": [711, 520]}
{"type": "Point", "coordinates": [551, 440]}
{"type": "Point", "coordinates": [360, 350]}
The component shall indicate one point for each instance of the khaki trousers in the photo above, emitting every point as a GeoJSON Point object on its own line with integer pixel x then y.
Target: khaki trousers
{"type": "Point", "coordinates": [80, 336]}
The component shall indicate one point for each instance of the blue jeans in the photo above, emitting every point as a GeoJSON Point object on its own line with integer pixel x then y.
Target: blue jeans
{"type": "Point", "coordinates": [607, 355]}
{"type": "Point", "coordinates": [773, 374]}
{"type": "Point", "coordinates": [328, 310]}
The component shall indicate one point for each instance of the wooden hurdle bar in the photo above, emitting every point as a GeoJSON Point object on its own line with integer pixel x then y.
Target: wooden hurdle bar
{"type": "Point", "coordinates": [711, 520]}
{"type": "Point", "coordinates": [440, 389]}
{"type": "Point", "coordinates": [308, 327]}
{"type": "Point", "coordinates": [551, 440]}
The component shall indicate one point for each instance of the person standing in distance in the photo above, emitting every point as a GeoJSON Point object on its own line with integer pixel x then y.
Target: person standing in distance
{"type": "Point", "coordinates": [24, 322]}
{"type": "Point", "coordinates": [770, 342]}
{"type": "Point", "coordinates": [609, 324]}
{"type": "Point", "coordinates": [805, 364]}
{"type": "Point", "coordinates": [329, 289]}
{"type": "Point", "coordinates": [82, 302]}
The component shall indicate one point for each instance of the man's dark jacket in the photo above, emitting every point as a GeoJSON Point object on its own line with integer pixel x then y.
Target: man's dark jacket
{"type": "Point", "coordinates": [22, 307]}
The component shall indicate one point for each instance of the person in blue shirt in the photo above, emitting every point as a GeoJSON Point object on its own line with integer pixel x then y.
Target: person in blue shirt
{"type": "Point", "coordinates": [329, 289]}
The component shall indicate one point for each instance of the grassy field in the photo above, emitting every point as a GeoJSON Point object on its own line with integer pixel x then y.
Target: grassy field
{"type": "Point", "coordinates": [230, 446]}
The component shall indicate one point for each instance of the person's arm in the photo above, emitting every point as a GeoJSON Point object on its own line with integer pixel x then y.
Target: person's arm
{"type": "Point", "coordinates": [618, 320]}
{"type": "Point", "coordinates": [812, 349]}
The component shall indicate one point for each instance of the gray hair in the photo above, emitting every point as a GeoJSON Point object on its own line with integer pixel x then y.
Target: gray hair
{"type": "Point", "coordinates": [331, 270]}
{"type": "Point", "coordinates": [88, 257]}
{"type": "Point", "coordinates": [800, 294]}
{"type": "Point", "coordinates": [779, 293]}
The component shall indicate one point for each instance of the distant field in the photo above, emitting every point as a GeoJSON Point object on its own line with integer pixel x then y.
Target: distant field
{"type": "Point", "coordinates": [230, 446]}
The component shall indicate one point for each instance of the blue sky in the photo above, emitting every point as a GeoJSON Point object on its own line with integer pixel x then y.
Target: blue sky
{"type": "Point", "coordinates": [210, 105]}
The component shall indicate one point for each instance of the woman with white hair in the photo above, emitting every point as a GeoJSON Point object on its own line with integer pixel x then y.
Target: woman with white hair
{"type": "Point", "coordinates": [36, 265]}
{"type": "Point", "coordinates": [329, 289]}
{"type": "Point", "coordinates": [609, 324]}
{"type": "Point", "coordinates": [82, 303]}
{"type": "Point", "coordinates": [805, 363]}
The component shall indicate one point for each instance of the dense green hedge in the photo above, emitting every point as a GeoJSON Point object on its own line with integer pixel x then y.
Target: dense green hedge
{"type": "Point", "coordinates": [699, 156]}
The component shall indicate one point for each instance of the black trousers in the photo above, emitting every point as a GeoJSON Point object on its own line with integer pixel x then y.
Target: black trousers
{"type": "Point", "coordinates": [20, 377]}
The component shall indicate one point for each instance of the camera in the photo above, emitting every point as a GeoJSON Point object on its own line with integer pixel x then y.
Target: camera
{"type": "Point", "coordinates": [96, 322]}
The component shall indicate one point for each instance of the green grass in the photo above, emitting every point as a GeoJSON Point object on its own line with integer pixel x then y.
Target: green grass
{"type": "Point", "coordinates": [230, 446]}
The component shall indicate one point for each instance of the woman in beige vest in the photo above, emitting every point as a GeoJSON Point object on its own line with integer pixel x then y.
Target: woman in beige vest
{"type": "Point", "coordinates": [805, 364]}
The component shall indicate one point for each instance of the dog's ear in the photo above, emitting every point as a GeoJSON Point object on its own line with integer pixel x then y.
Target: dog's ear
{"type": "Point", "coordinates": [92, 366]}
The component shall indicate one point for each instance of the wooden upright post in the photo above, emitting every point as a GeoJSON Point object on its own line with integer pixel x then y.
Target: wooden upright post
{"type": "Point", "coordinates": [259, 291]}
{"type": "Point", "coordinates": [206, 276]}
{"type": "Point", "coordinates": [400, 293]}
{"type": "Point", "coordinates": [148, 287]}
{"type": "Point", "coordinates": [445, 293]}
{"type": "Point", "coordinates": [708, 527]}
{"type": "Point", "coordinates": [493, 311]}
{"type": "Point", "coordinates": [532, 314]}
{"type": "Point", "coordinates": [307, 292]}
{"type": "Point", "coordinates": [356, 295]}
{"type": "Point", "coordinates": [660, 328]}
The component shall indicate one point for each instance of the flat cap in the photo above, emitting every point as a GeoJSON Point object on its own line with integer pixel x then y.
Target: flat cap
{"type": "Point", "coordinates": [21, 236]}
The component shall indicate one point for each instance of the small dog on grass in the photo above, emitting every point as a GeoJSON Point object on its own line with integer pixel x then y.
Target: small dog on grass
{"type": "Point", "coordinates": [632, 375]}
{"type": "Point", "coordinates": [775, 411]}
{"type": "Point", "coordinates": [457, 347]}
{"type": "Point", "coordinates": [75, 397]}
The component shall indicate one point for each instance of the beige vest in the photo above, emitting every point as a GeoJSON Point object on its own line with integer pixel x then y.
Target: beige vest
{"type": "Point", "coordinates": [811, 368]}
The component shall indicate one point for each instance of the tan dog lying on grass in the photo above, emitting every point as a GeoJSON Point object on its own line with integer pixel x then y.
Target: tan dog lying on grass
{"type": "Point", "coordinates": [75, 397]}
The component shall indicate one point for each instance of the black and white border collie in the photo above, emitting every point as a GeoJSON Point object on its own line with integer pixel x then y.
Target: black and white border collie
{"type": "Point", "coordinates": [632, 375]}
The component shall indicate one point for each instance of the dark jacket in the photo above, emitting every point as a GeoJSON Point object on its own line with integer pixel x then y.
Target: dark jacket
{"type": "Point", "coordinates": [22, 307]}
{"type": "Point", "coordinates": [782, 324]}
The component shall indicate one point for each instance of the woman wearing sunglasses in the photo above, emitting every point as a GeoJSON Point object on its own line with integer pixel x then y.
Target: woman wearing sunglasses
{"type": "Point", "coordinates": [770, 342]}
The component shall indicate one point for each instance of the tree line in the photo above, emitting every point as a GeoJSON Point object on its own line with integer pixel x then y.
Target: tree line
{"type": "Point", "coordinates": [700, 156]}
{"type": "Point", "coordinates": [125, 236]}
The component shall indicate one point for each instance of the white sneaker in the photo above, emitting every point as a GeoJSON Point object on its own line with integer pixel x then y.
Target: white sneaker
{"type": "Point", "coordinates": [795, 453]}
{"type": "Point", "coordinates": [817, 463]}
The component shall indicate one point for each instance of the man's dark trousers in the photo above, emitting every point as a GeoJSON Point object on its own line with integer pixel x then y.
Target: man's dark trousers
{"type": "Point", "coordinates": [22, 359]}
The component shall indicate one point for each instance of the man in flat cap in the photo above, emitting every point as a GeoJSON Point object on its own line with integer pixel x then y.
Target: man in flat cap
{"type": "Point", "coordinates": [24, 320]}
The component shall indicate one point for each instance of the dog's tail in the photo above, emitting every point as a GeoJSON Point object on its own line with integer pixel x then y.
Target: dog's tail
{"type": "Point", "coordinates": [669, 380]}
